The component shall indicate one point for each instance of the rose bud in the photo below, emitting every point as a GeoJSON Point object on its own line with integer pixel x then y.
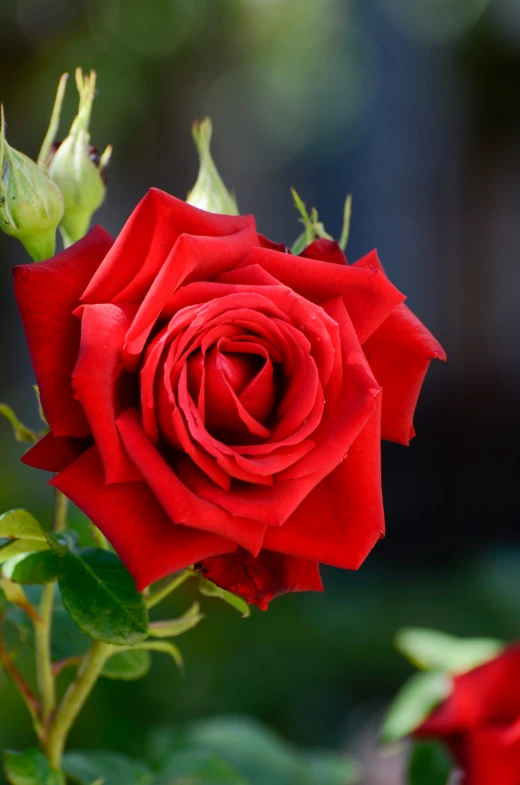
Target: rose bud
{"type": "Point", "coordinates": [77, 169]}
{"type": "Point", "coordinates": [31, 205]}
{"type": "Point", "coordinates": [209, 192]}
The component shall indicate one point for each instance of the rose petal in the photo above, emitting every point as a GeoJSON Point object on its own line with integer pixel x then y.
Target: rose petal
{"type": "Point", "coordinates": [97, 380]}
{"type": "Point", "coordinates": [54, 453]}
{"type": "Point", "coordinates": [368, 294]}
{"type": "Point", "coordinates": [179, 502]}
{"type": "Point", "coordinates": [136, 525]}
{"type": "Point", "coordinates": [145, 242]}
{"type": "Point", "coordinates": [325, 251]}
{"type": "Point", "coordinates": [341, 520]}
{"type": "Point", "coordinates": [488, 694]}
{"type": "Point", "coordinates": [47, 294]}
{"type": "Point", "coordinates": [399, 353]}
{"type": "Point", "coordinates": [260, 580]}
{"type": "Point", "coordinates": [191, 258]}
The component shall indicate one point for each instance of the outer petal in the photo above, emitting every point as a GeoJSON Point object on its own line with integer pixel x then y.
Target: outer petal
{"type": "Point", "coordinates": [130, 517]}
{"type": "Point", "coordinates": [368, 294]}
{"type": "Point", "coordinates": [341, 520]}
{"type": "Point", "coordinates": [260, 580]}
{"type": "Point", "coordinates": [489, 758]}
{"type": "Point", "coordinates": [99, 382]}
{"type": "Point", "coordinates": [145, 242]}
{"type": "Point", "coordinates": [399, 353]}
{"type": "Point", "coordinates": [325, 251]}
{"type": "Point", "coordinates": [54, 453]}
{"type": "Point", "coordinates": [47, 294]}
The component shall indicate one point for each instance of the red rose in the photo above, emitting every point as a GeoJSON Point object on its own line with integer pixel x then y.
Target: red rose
{"type": "Point", "coordinates": [218, 402]}
{"type": "Point", "coordinates": [480, 721]}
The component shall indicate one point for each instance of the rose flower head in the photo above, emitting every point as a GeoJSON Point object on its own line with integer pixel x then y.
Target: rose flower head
{"type": "Point", "coordinates": [216, 401]}
{"type": "Point", "coordinates": [480, 721]}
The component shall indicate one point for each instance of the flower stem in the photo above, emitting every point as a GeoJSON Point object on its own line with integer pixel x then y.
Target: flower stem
{"type": "Point", "coordinates": [155, 599]}
{"type": "Point", "coordinates": [42, 634]}
{"type": "Point", "coordinates": [74, 700]}
{"type": "Point", "coordinates": [61, 504]}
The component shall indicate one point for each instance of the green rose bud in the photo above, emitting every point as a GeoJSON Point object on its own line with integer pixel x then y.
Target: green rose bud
{"type": "Point", "coordinates": [31, 205]}
{"type": "Point", "coordinates": [209, 192]}
{"type": "Point", "coordinates": [76, 169]}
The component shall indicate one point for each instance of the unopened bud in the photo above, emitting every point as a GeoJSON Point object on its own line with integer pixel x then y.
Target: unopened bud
{"type": "Point", "coordinates": [31, 205]}
{"type": "Point", "coordinates": [209, 192]}
{"type": "Point", "coordinates": [77, 169]}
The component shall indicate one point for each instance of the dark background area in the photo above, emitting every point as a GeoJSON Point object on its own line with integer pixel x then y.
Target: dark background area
{"type": "Point", "coordinates": [415, 109]}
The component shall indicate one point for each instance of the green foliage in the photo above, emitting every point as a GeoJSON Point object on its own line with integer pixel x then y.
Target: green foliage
{"type": "Point", "coordinates": [100, 595]}
{"type": "Point", "coordinates": [208, 589]}
{"type": "Point", "coordinates": [30, 768]}
{"type": "Point", "coordinates": [34, 568]}
{"type": "Point", "coordinates": [430, 649]}
{"type": "Point", "coordinates": [163, 647]}
{"type": "Point", "coordinates": [414, 702]}
{"type": "Point", "coordinates": [257, 753]}
{"type": "Point", "coordinates": [174, 627]}
{"type": "Point", "coordinates": [20, 431]}
{"type": "Point", "coordinates": [430, 764]}
{"type": "Point", "coordinates": [196, 767]}
{"type": "Point", "coordinates": [127, 665]}
{"type": "Point", "coordinates": [20, 524]}
{"type": "Point", "coordinates": [89, 767]}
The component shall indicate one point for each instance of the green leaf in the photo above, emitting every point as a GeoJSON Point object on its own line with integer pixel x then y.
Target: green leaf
{"type": "Point", "coordinates": [21, 432]}
{"type": "Point", "coordinates": [208, 589]}
{"type": "Point", "coordinates": [414, 702]}
{"type": "Point", "coordinates": [30, 768]}
{"type": "Point", "coordinates": [35, 568]}
{"type": "Point", "coordinates": [196, 767]}
{"type": "Point", "coordinates": [15, 548]}
{"type": "Point", "coordinates": [3, 602]}
{"type": "Point", "coordinates": [101, 597]}
{"type": "Point", "coordinates": [67, 638]}
{"type": "Point", "coordinates": [20, 524]}
{"type": "Point", "coordinates": [113, 769]}
{"type": "Point", "coordinates": [127, 665]}
{"type": "Point", "coordinates": [327, 768]}
{"type": "Point", "coordinates": [174, 627]}
{"type": "Point", "coordinates": [430, 649]}
{"type": "Point", "coordinates": [164, 647]}
{"type": "Point", "coordinates": [255, 751]}
{"type": "Point", "coordinates": [430, 764]}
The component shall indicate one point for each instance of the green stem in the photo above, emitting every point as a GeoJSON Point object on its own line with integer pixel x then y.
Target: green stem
{"type": "Point", "coordinates": [74, 700]}
{"type": "Point", "coordinates": [61, 504]}
{"type": "Point", "coordinates": [155, 599]}
{"type": "Point", "coordinates": [42, 634]}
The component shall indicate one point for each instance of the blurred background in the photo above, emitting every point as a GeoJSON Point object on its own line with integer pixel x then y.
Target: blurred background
{"type": "Point", "coordinates": [414, 108]}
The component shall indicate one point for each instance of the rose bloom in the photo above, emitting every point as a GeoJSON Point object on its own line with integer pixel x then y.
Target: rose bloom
{"type": "Point", "coordinates": [214, 400]}
{"type": "Point", "coordinates": [480, 721]}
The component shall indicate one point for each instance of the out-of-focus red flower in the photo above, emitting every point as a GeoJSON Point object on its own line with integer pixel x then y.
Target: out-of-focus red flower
{"type": "Point", "coordinates": [480, 721]}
